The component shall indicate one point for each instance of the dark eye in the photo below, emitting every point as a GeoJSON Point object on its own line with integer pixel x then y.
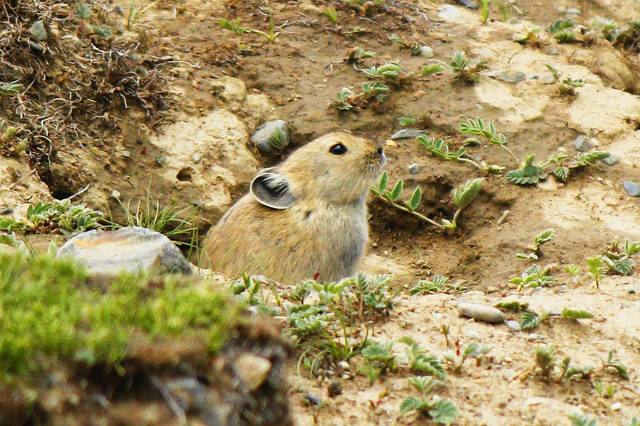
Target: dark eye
{"type": "Point", "coordinates": [338, 149]}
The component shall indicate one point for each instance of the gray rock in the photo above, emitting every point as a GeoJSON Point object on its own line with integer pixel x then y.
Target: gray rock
{"type": "Point", "coordinates": [535, 337]}
{"type": "Point", "coordinates": [572, 11]}
{"type": "Point", "coordinates": [450, 13]}
{"type": "Point", "coordinates": [508, 76]}
{"type": "Point", "coordinates": [469, 4]}
{"type": "Point", "coordinates": [513, 325]}
{"type": "Point", "coordinates": [407, 134]}
{"type": "Point", "coordinates": [105, 254]}
{"type": "Point", "coordinates": [553, 51]}
{"type": "Point", "coordinates": [252, 369]}
{"type": "Point", "coordinates": [582, 144]}
{"type": "Point", "coordinates": [414, 169]}
{"type": "Point", "coordinates": [426, 52]}
{"type": "Point", "coordinates": [6, 210]}
{"type": "Point", "coordinates": [632, 188]}
{"type": "Point", "coordinates": [38, 30]}
{"type": "Point", "coordinates": [481, 312]}
{"type": "Point", "coordinates": [611, 160]}
{"type": "Point", "coordinates": [271, 136]}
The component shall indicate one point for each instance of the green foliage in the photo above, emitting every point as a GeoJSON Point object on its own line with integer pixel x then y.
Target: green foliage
{"type": "Point", "coordinates": [529, 320]}
{"type": "Point", "coordinates": [358, 54]}
{"type": "Point", "coordinates": [391, 73]}
{"type": "Point", "coordinates": [406, 120]}
{"type": "Point", "coordinates": [533, 276]}
{"type": "Point", "coordinates": [568, 86]}
{"type": "Point", "coordinates": [563, 30]}
{"type": "Point", "coordinates": [441, 411]}
{"type": "Point", "coordinates": [434, 285]}
{"type": "Point", "coordinates": [48, 313]}
{"type": "Point", "coordinates": [545, 357]}
{"type": "Point", "coordinates": [331, 13]}
{"type": "Point", "coordinates": [514, 306]}
{"type": "Point", "coordinates": [10, 89]}
{"type": "Point", "coordinates": [135, 13]}
{"type": "Point", "coordinates": [343, 98]}
{"type": "Point", "coordinates": [431, 69]}
{"type": "Point", "coordinates": [534, 249]}
{"type": "Point", "coordinates": [596, 269]}
{"type": "Point", "coordinates": [578, 419]}
{"type": "Point", "coordinates": [379, 359]}
{"type": "Point", "coordinates": [617, 365]}
{"type": "Point", "coordinates": [480, 128]}
{"type": "Point", "coordinates": [464, 69]}
{"type": "Point", "coordinates": [440, 149]}
{"type": "Point", "coordinates": [233, 25]}
{"type": "Point", "coordinates": [528, 174]}
{"type": "Point", "coordinates": [414, 47]}
{"type": "Point", "coordinates": [420, 361]}
{"type": "Point", "coordinates": [618, 258]}
{"type": "Point", "coordinates": [473, 350]}
{"type": "Point", "coordinates": [484, 7]}
{"type": "Point", "coordinates": [70, 219]}
{"type": "Point", "coordinates": [278, 139]}
{"type": "Point", "coordinates": [575, 314]}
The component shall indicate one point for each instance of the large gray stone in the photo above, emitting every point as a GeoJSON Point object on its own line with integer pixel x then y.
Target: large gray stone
{"type": "Point", "coordinates": [105, 254]}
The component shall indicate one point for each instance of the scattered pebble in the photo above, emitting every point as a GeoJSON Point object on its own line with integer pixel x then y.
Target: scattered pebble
{"type": "Point", "coordinates": [572, 11]}
{"type": "Point", "coordinates": [535, 337]}
{"type": "Point", "coordinates": [38, 30]}
{"type": "Point", "coordinates": [632, 188]}
{"type": "Point", "coordinates": [263, 138]}
{"type": "Point", "coordinates": [513, 325]}
{"type": "Point", "coordinates": [343, 364]}
{"type": "Point", "coordinates": [313, 400]}
{"type": "Point", "coordinates": [414, 169]}
{"type": "Point", "coordinates": [252, 369]}
{"type": "Point", "coordinates": [391, 143]}
{"type": "Point", "coordinates": [611, 160]}
{"type": "Point", "coordinates": [6, 210]}
{"type": "Point", "coordinates": [508, 76]}
{"type": "Point", "coordinates": [426, 52]}
{"type": "Point", "coordinates": [473, 335]}
{"type": "Point", "coordinates": [469, 4]}
{"type": "Point", "coordinates": [481, 312]}
{"type": "Point", "coordinates": [450, 13]}
{"type": "Point", "coordinates": [616, 406]}
{"type": "Point", "coordinates": [406, 134]}
{"type": "Point", "coordinates": [582, 144]}
{"type": "Point", "coordinates": [553, 51]}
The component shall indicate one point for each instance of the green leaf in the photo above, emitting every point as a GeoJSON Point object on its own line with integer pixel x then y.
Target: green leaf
{"type": "Point", "coordinates": [544, 237]}
{"type": "Point", "coordinates": [431, 69]}
{"type": "Point", "coordinates": [382, 185]}
{"type": "Point", "coordinates": [572, 270]}
{"type": "Point", "coordinates": [617, 365]}
{"type": "Point", "coordinates": [466, 193]}
{"type": "Point", "coordinates": [529, 320]}
{"type": "Point", "coordinates": [397, 190]}
{"type": "Point", "coordinates": [581, 420]}
{"type": "Point", "coordinates": [416, 198]}
{"type": "Point", "coordinates": [514, 306]}
{"type": "Point", "coordinates": [624, 266]}
{"type": "Point", "coordinates": [574, 315]}
{"type": "Point", "coordinates": [444, 411]}
{"type": "Point", "coordinates": [410, 403]}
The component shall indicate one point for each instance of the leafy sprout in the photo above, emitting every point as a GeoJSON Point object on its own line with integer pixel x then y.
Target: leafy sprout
{"type": "Point", "coordinates": [596, 269]}
{"type": "Point", "coordinates": [358, 54]}
{"type": "Point", "coordinates": [534, 276]}
{"type": "Point", "coordinates": [465, 70]}
{"type": "Point", "coordinates": [391, 73]}
{"type": "Point", "coordinates": [331, 13]}
{"type": "Point", "coordinates": [486, 129]}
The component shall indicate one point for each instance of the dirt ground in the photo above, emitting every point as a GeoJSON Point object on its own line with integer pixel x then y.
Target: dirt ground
{"type": "Point", "coordinates": [301, 73]}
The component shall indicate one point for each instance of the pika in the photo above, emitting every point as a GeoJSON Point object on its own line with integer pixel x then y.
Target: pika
{"type": "Point", "coordinates": [305, 218]}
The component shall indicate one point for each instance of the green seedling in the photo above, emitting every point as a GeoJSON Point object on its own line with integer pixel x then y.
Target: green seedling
{"type": "Point", "coordinates": [279, 139]}
{"type": "Point", "coordinates": [616, 365]}
{"type": "Point", "coordinates": [331, 13]}
{"type": "Point", "coordinates": [436, 285]}
{"type": "Point", "coordinates": [431, 69]}
{"type": "Point", "coordinates": [514, 306]}
{"type": "Point", "coordinates": [474, 350]}
{"type": "Point", "coordinates": [440, 149]}
{"type": "Point", "coordinates": [596, 269]}
{"type": "Point", "coordinates": [233, 25]}
{"type": "Point", "coordinates": [533, 38]}
{"type": "Point", "coordinates": [391, 73]}
{"type": "Point", "coordinates": [135, 13]}
{"type": "Point", "coordinates": [630, 37]}
{"type": "Point", "coordinates": [605, 28]}
{"type": "Point", "coordinates": [555, 72]}
{"type": "Point", "coordinates": [530, 320]}
{"type": "Point", "coordinates": [462, 196]}
{"type": "Point", "coordinates": [420, 362]}
{"type": "Point", "coordinates": [441, 411]}
{"type": "Point", "coordinates": [534, 252]}
{"type": "Point", "coordinates": [345, 100]}
{"type": "Point", "coordinates": [358, 54]}
{"type": "Point", "coordinates": [379, 359]}
{"type": "Point", "coordinates": [545, 359]}
{"type": "Point", "coordinates": [578, 419]}
{"type": "Point", "coordinates": [414, 47]}
{"type": "Point", "coordinates": [528, 173]}
{"type": "Point", "coordinates": [563, 30]}
{"type": "Point", "coordinates": [606, 392]}
{"type": "Point", "coordinates": [444, 329]}
{"type": "Point", "coordinates": [376, 90]}
{"type": "Point", "coordinates": [407, 121]}
{"type": "Point", "coordinates": [568, 86]}
{"type": "Point", "coordinates": [484, 8]}
{"type": "Point", "coordinates": [480, 128]}
{"type": "Point", "coordinates": [574, 271]}
{"type": "Point", "coordinates": [618, 257]}
{"type": "Point", "coordinates": [533, 276]}
{"type": "Point", "coordinates": [10, 89]}
{"type": "Point", "coordinates": [466, 70]}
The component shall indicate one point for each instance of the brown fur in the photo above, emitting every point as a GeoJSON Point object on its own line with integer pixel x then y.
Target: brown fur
{"type": "Point", "coordinates": [321, 234]}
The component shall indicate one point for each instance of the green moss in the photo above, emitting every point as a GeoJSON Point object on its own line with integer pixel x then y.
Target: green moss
{"type": "Point", "coordinates": [47, 312]}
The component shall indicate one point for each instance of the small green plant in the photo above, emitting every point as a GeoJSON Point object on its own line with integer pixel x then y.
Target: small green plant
{"type": "Point", "coordinates": [606, 392]}
{"type": "Point", "coordinates": [358, 54]}
{"type": "Point", "coordinates": [578, 419]}
{"type": "Point", "coordinates": [233, 25]}
{"type": "Point", "coordinates": [596, 269]}
{"type": "Point", "coordinates": [473, 350]}
{"type": "Point", "coordinates": [480, 128]}
{"type": "Point", "coordinates": [533, 276]}
{"type": "Point", "coordinates": [616, 365]}
{"type": "Point", "coordinates": [347, 100]}
{"type": "Point", "coordinates": [464, 69]}
{"type": "Point", "coordinates": [407, 121]}
{"type": "Point", "coordinates": [563, 30]}
{"type": "Point", "coordinates": [545, 358]}
{"type": "Point", "coordinates": [619, 257]}
{"type": "Point", "coordinates": [442, 411]}
{"type": "Point", "coordinates": [391, 73]}
{"type": "Point", "coordinates": [10, 89]}
{"type": "Point", "coordinates": [379, 359]}
{"type": "Point", "coordinates": [534, 252]}
{"type": "Point", "coordinates": [440, 149]}
{"type": "Point", "coordinates": [414, 47]}
{"type": "Point", "coordinates": [532, 37]}
{"type": "Point", "coordinates": [530, 320]}
{"type": "Point", "coordinates": [462, 196]}
{"type": "Point", "coordinates": [484, 7]}
{"type": "Point", "coordinates": [528, 173]}
{"type": "Point", "coordinates": [431, 69]}
{"type": "Point", "coordinates": [420, 362]}
{"type": "Point", "coordinates": [436, 285]}
{"type": "Point", "coordinates": [605, 28]}
{"type": "Point", "coordinates": [135, 13]}
{"type": "Point", "coordinates": [331, 13]}
{"type": "Point", "coordinates": [279, 139]}
{"type": "Point", "coordinates": [568, 86]}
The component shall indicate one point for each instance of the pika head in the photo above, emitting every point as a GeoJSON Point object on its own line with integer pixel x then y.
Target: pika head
{"type": "Point", "coordinates": [305, 218]}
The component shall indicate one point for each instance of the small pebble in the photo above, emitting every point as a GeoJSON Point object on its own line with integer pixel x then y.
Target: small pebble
{"type": "Point", "coordinates": [535, 337]}
{"type": "Point", "coordinates": [406, 134]}
{"type": "Point", "coordinates": [481, 312]}
{"type": "Point", "coordinates": [632, 188]}
{"type": "Point", "coordinates": [513, 325]}
{"type": "Point", "coordinates": [611, 160]}
{"type": "Point", "coordinates": [616, 406]}
{"type": "Point", "coordinates": [473, 335]}
{"type": "Point", "coordinates": [449, 13]}
{"type": "Point", "coordinates": [196, 157]}
{"type": "Point", "coordinates": [469, 4]}
{"type": "Point", "coordinates": [553, 51]}
{"type": "Point", "coordinates": [572, 11]}
{"type": "Point", "coordinates": [426, 52]}
{"type": "Point", "coordinates": [414, 169]}
{"type": "Point", "coordinates": [313, 400]}
{"type": "Point", "coordinates": [6, 210]}
{"type": "Point", "coordinates": [508, 76]}
{"type": "Point", "coordinates": [582, 144]}
{"type": "Point", "coordinates": [343, 364]}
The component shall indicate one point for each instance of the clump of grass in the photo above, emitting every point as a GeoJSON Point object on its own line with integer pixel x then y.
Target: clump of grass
{"type": "Point", "coordinates": [49, 314]}
{"type": "Point", "coordinates": [435, 285]}
{"type": "Point", "coordinates": [563, 30]}
{"type": "Point", "coordinates": [234, 25]}
{"type": "Point", "coordinates": [466, 70]}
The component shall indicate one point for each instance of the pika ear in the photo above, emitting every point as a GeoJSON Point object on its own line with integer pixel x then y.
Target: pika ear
{"type": "Point", "coordinates": [272, 189]}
